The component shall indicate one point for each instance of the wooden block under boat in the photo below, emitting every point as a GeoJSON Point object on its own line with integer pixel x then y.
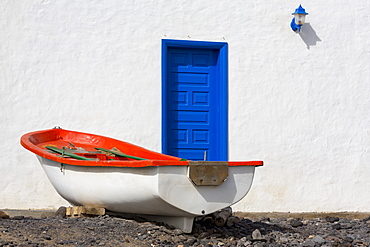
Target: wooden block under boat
{"type": "Point", "coordinates": [82, 211]}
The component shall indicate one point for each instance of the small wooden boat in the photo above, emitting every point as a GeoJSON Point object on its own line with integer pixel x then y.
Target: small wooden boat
{"type": "Point", "coordinates": [97, 171]}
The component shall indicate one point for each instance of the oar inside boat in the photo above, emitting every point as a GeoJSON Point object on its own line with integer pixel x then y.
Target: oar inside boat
{"type": "Point", "coordinates": [66, 153]}
{"type": "Point", "coordinates": [119, 154]}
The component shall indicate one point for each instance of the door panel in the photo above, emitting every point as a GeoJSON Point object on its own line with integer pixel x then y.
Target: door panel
{"type": "Point", "coordinates": [192, 105]}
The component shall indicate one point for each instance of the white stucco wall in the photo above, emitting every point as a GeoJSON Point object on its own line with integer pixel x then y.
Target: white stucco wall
{"type": "Point", "coordinates": [299, 102]}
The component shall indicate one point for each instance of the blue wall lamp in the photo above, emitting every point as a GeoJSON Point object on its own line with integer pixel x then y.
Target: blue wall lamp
{"type": "Point", "coordinates": [298, 19]}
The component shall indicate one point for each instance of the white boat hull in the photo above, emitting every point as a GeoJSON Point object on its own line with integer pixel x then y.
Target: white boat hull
{"type": "Point", "coordinates": [164, 192]}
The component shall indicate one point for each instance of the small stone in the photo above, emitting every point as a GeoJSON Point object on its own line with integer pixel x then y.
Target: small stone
{"type": "Point", "coordinates": [348, 239]}
{"type": "Point", "coordinates": [282, 219]}
{"type": "Point", "coordinates": [256, 235]}
{"type": "Point", "coordinates": [260, 245]}
{"type": "Point", "coordinates": [332, 239]}
{"type": "Point", "coordinates": [242, 241]}
{"type": "Point", "coordinates": [18, 217]}
{"type": "Point", "coordinates": [191, 241]}
{"type": "Point", "coordinates": [345, 244]}
{"type": "Point", "coordinates": [203, 235]}
{"type": "Point", "coordinates": [318, 239]}
{"type": "Point", "coordinates": [4, 215]}
{"type": "Point", "coordinates": [346, 226]}
{"type": "Point", "coordinates": [296, 223]}
{"type": "Point", "coordinates": [359, 242]}
{"type": "Point", "coordinates": [46, 237]}
{"type": "Point", "coordinates": [337, 226]}
{"type": "Point", "coordinates": [284, 240]}
{"type": "Point", "coordinates": [176, 239]}
{"type": "Point", "coordinates": [308, 243]}
{"type": "Point", "coordinates": [177, 232]}
{"type": "Point", "coordinates": [366, 219]}
{"type": "Point", "coordinates": [332, 219]}
{"type": "Point", "coordinates": [293, 243]}
{"type": "Point", "coordinates": [232, 220]}
{"type": "Point", "coordinates": [265, 219]}
{"type": "Point", "coordinates": [344, 220]}
{"type": "Point", "coordinates": [61, 212]}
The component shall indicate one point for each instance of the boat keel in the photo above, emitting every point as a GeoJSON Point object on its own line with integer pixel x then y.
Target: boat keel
{"type": "Point", "coordinates": [185, 224]}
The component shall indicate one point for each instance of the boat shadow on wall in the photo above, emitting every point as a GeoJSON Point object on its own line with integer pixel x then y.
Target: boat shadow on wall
{"type": "Point", "coordinates": [309, 36]}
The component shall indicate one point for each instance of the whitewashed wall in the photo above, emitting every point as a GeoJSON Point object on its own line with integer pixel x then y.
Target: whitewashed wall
{"type": "Point", "coordinates": [299, 102]}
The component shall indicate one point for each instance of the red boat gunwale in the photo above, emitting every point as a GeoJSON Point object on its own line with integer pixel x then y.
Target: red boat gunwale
{"type": "Point", "coordinates": [37, 141]}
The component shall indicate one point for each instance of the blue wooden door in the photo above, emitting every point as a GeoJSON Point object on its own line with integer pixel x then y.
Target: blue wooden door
{"type": "Point", "coordinates": [194, 122]}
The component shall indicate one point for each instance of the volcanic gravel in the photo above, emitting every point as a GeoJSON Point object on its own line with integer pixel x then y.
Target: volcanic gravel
{"type": "Point", "coordinates": [117, 231]}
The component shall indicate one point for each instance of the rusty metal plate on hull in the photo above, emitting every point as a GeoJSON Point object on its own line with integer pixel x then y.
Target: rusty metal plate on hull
{"type": "Point", "coordinates": [208, 173]}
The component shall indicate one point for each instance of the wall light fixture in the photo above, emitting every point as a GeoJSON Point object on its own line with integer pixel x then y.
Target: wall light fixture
{"type": "Point", "coordinates": [298, 19]}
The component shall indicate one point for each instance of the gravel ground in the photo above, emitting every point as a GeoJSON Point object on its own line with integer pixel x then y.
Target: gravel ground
{"type": "Point", "coordinates": [117, 231]}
